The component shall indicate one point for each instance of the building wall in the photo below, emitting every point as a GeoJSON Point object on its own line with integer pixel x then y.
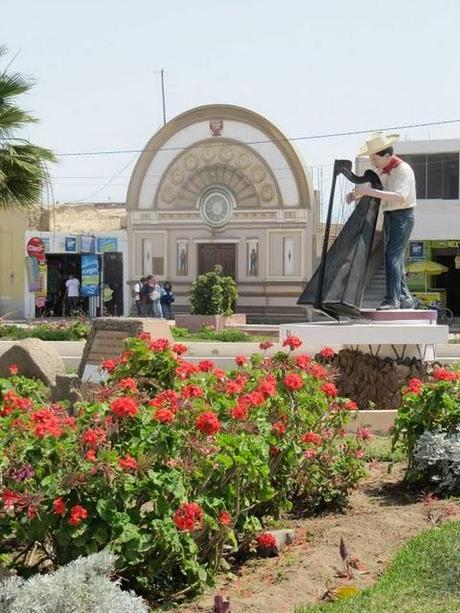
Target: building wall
{"type": "Point", "coordinates": [12, 273]}
{"type": "Point", "coordinates": [91, 218]}
{"type": "Point", "coordinates": [435, 219]}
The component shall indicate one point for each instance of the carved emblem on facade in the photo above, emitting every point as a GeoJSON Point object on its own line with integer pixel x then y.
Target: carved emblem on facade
{"type": "Point", "coordinates": [216, 126]}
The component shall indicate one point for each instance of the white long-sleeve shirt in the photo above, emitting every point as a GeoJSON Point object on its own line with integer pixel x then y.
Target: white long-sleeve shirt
{"type": "Point", "coordinates": [400, 180]}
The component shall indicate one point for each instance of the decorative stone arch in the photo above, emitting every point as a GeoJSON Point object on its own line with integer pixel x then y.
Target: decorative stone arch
{"type": "Point", "coordinates": [165, 147]}
{"type": "Point", "coordinates": [223, 162]}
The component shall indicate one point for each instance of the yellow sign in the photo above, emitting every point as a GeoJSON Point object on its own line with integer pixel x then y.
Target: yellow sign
{"type": "Point", "coordinates": [40, 296]}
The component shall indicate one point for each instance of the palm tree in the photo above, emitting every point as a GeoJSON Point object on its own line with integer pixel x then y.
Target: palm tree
{"type": "Point", "coordinates": [23, 172]}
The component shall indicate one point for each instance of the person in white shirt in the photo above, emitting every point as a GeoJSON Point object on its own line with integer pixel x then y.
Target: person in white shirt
{"type": "Point", "coordinates": [398, 199]}
{"type": "Point", "coordinates": [72, 292]}
{"type": "Point", "coordinates": [137, 294]}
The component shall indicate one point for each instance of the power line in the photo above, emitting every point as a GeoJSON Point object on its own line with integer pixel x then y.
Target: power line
{"type": "Point", "coordinates": [265, 141]}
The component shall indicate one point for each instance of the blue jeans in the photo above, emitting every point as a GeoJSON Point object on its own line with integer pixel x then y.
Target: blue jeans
{"type": "Point", "coordinates": [152, 309]}
{"type": "Point", "coordinates": [397, 228]}
{"type": "Point", "coordinates": [167, 310]}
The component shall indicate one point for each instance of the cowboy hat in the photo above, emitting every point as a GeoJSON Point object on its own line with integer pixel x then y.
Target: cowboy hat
{"type": "Point", "coordinates": [377, 142]}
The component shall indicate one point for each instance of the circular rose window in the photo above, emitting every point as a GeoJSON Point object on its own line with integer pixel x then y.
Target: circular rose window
{"type": "Point", "coordinates": [216, 206]}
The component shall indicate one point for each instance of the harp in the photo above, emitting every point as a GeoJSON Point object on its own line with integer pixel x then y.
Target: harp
{"type": "Point", "coordinates": [337, 286]}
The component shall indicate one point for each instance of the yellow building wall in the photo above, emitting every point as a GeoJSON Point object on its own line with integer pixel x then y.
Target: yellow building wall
{"type": "Point", "coordinates": [12, 269]}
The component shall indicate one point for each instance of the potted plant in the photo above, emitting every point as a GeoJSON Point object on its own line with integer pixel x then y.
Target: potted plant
{"type": "Point", "coordinates": [212, 297]}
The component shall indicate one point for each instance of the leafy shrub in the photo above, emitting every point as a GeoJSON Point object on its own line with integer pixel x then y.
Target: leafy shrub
{"type": "Point", "coordinates": [12, 332]}
{"type": "Point", "coordinates": [174, 463]}
{"type": "Point", "coordinates": [79, 587]}
{"type": "Point", "coordinates": [60, 331]}
{"type": "Point", "coordinates": [428, 408]}
{"type": "Point", "coordinates": [178, 332]}
{"type": "Point", "coordinates": [224, 336]}
{"type": "Point", "coordinates": [437, 457]}
{"type": "Point", "coordinates": [213, 294]}
{"type": "Point", "coordinates": [18, 392]}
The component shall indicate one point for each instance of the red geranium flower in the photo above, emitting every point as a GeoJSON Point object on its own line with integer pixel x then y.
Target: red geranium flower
{"type": "Point", "coordinates": [109, 365]}
{"type": "Point", "coordinates": [124, 406]}
{"type": "Point", "coordinates": [303, 361]}
{"type": "Point", "coordinates": [267, 386]}
{"type": "Point", "coordinates": [77, 515]}
{"type": "Point", "coordinates": [11, 499]}
{"type": "Point", "coordinates": [240, 411]}
{"type": "Point", "coordinates": [225, 519]}
{"type": "Point", "coordinates": [279, 428]}
{"type": "Point", "coordinates": [164, 416]}
{"type": "Point", "coordinates": [206, 365]}
{"type": "Point", "coordinates": [208, 423]}
{"type": "Point", "coordinates": [128, 383]}
{"type": "Point", "coordinates": [59, 506]}
{"type": "Point", "coordinates": [189, 517]}
{"type": "Point", "coordinates": [317, 371]}
{"type": "Point", "coordinates": [91, 455]}
{"type": "Point", "coordinates": [179, 348]}
{"type": "Point", "coordinates": [443, 374]}
{"type": "Point", "coordinates": [363, 433]}
{"type": "Point", "coordinates": [161, 344]}
{"type": "Point", "coordinates": [327, 352]}
{"type": "Point", "coordinates": [293, 381]}
{"type": "Point", "coordinates": [31, 512]}
{"type": "Point", "coordinates": [186, 369]}
{"type": "Point", "coordinates": [13, 369]}
{"type": "Point", "coordinates": [266, 541]}
{"type": "Point", "coordinates": [93, 437]}
{"type": "Point", "coordinates": [128, 462]}
{"type": "Point", "coordinates": [241, 360]}
{"type": "Point", "coordinates": [168, 399]}
{"type": "Point", "coordinates": [219, 373]}
{"type": "Point", "coordinates": [265, 345]}
{"type": "Point", "coordinates": [192, 391]}
{"type": "Point", "coordinates": [312, 437]}
{"type": "Point", "coordinates": [330, 390]}
{"type": "Point", "coordinates": [293, 342]}
{"type": "Point", "coordinates": [350, 405]}
{"type": "Point", "coordinates": [233, 387]}
{"type": "Point", "coordinates": [413, 387]}
{"type": "Point", "coordinates": [47, 423]}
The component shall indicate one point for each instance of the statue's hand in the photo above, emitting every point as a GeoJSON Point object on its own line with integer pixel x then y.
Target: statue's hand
{"type": "Point", "coordinates": [350, 198]}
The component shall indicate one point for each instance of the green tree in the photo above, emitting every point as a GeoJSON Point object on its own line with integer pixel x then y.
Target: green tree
{"type": "Point", "coordinates": [213, 294]}
{"type": "Point", "coordinates": [23, 172]}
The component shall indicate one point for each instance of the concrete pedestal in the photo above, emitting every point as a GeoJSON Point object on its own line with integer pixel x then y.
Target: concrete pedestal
{"type": "Point", "coordinates": [397, 334]}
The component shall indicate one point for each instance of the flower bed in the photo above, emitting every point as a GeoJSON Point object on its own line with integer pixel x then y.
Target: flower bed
{"type": "Point", "coordinates": [174, 465]}
{"type": "Point", "coordinates": [59, 331]}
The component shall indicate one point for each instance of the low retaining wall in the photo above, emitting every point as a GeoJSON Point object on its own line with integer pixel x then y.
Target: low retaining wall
{"type": "Point", "coordinates": [379, 422]}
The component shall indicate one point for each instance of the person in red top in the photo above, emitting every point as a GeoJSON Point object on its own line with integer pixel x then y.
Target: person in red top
{"type": "Point", "coordinates": [398, 199]}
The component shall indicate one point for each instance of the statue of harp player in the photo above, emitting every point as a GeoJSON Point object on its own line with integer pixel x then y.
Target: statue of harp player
{"type": "Point", "coordinates": [337, 285]}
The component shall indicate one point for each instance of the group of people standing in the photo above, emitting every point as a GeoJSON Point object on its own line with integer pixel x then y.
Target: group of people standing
{"type": "Point", "coordinates": [153, 299]}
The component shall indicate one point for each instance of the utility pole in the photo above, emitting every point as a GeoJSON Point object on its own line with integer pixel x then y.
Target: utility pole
{"type": "Point", "coordinates": [163, 95]}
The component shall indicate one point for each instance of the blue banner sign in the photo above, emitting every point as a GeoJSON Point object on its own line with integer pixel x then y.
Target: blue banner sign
{"type": "Point", "coordinates": [71, 243]}
{"type": "Point", "coordinates": [106, 244]}
{"type": "Point", "coordinates": [87, 243]}
{"type": "Point", "coordinates": [89, 275]}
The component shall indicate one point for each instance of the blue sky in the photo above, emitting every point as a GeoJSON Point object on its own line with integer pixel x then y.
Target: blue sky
{"type": "Point", "coordinates": [310, 67]}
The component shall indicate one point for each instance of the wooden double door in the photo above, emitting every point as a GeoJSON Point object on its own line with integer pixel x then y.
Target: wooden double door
{"type": "Point", "coordinates": [210, 254]}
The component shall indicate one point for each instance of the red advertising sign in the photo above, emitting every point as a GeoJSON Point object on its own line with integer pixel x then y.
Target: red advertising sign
{"type": "Point", "coordinates": [36, 248]}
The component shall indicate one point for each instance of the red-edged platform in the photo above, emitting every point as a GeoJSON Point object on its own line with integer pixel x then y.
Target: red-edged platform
{"type": "Point", "coordinates": [419, 315]}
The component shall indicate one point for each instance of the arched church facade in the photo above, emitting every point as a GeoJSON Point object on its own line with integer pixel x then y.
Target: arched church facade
{"type": "Point", "coordinates": [220, 184]}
